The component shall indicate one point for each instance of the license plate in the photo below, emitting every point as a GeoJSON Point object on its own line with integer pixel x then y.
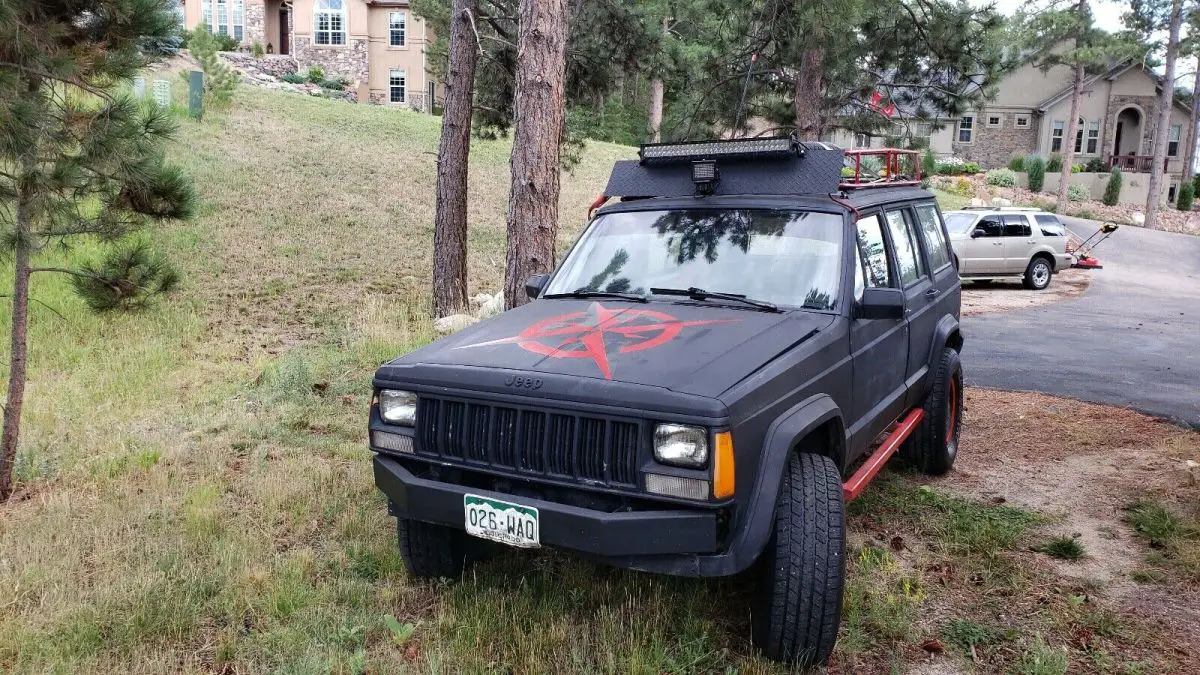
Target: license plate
{"type": "Point", "coordinates": [504, 522]}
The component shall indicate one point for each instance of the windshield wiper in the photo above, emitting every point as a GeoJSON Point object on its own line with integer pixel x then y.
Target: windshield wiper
{"type": "Point", "coordinates": [588, 293]}
{"type": "Point", "coordinates": [701, 294]}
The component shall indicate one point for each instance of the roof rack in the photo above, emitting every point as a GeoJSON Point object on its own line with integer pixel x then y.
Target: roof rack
{"type": "Point", "coordinates": [897, 167]}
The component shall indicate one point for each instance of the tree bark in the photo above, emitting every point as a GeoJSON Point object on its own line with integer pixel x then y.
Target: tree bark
{"type": "Point", "coordinates": [540, 114]}
{"type": "Point", "coordinates": [1064, 179]}
{"type": "Point", "coordinates": [20, 320]}
{"type": "Point", "coordinates": [1190, 161]}
{"type": "Point", "coordinates": [450, 219]}
{"type": "Point", "coordinates": [1165, 101]}
{"type": "Point", "coordinates": [810, 89]}
{"type": "Point", "coordinates": [656, 94]}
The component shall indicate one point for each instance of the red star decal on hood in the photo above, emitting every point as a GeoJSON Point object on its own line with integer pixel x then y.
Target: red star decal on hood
{"type": "Point", "coordinates": [586, 335]}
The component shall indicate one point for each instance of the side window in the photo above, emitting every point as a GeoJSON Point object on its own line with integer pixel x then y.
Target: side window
{"type": "Point", "coordinates": [992, 226]}
{"type": "Point", "coordinates": [908, 255]}
{"type": "Point", "coordinates": [1051, 226]}
{"type": "Point", "coordinates": [873, 268]}
{"type": "Point", "coordinates": [1017, 225]}
{"type": "Point", "coordinates": [935, 237]}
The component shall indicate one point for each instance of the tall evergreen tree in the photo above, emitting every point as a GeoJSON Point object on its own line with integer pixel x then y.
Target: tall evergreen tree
{"type": "Point", "coordinates": [78, 159]}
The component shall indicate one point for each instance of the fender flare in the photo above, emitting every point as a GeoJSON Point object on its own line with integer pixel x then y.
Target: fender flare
{"type": "Point", "coordinates": [793, 425]}
{"type": "Point", "coordinates": [943, 335]}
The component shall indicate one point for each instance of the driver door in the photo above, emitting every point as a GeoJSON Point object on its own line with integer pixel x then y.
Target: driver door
{"type": "Point", "coordinates": [983, 255]}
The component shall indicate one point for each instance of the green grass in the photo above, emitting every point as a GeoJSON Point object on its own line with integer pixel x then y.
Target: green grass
{"type": "Point", "coordinates": [1173, 537]}
{"type": "Point", "coordinates": [1063, 548]}
{"type": "Point", "coordinates": [948, 201]}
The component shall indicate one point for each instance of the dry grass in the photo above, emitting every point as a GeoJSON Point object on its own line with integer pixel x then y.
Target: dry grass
{"type": "Point", "coordinates": [195, 494]}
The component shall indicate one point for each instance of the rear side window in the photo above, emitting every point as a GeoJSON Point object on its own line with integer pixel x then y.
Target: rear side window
{"type": "Point", "coordinates": [992, 226]}
{"type": "Point", "coordinates": [1016, 226]}
{"type": "Point", "coordinates": [935, 239]}
{"type": "Point", "coordinates": [1051, 226]}
{"type": "Point", "coordinates": [873, 270]}
{"type": "Point", "coordinates": [904, 239]}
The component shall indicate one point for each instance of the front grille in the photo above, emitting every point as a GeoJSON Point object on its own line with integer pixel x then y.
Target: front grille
{"type": "Point", "coordinates": [527, 441]}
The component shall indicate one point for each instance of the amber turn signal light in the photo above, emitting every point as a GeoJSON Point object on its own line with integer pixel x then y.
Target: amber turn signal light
{"type": "Point", "coordinates": [723, 466]}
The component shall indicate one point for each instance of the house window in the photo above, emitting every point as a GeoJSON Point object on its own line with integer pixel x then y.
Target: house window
{"type": "Point", "coordinates": [1022, 121]}
{"type": "Point", "coordinates": [862, 141]}
{"type": "Point", "coordinates": [397, 86]}
{"type": "Point", "coordinates": [1079, 136]}
{"type": "Point", "coordinates": [329, 22]}
{"type": "Point", "coordinates": [222, 18]}
{"type": "Point", "coordinates": [1171, 192]}
{"type": "Point", "coordinates": [397, 23]}
{"type": "Point", "coordinates": [206, 14]}
{"type": "Point", "coordinates": [966, 129]}
{"type": "Point", "coordinates": [993, 120]}
{"type": "Point", "coordinates": [1056, 136]}
{"type": "Point", "coordinates": [1093, 136]}
{"type": "Point", "coordinates": [1173, 142]}
{"type": "Point", "coordinates": [239, 19]}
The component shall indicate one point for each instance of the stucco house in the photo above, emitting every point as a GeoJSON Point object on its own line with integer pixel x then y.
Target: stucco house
{"type": "Point", "coordinates": [378, 45]}
{"type": "Point", "coordinates": [1030, 114]}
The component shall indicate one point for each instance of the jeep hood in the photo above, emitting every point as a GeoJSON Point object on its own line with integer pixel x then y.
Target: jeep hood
{"type": "Point", "coordinates": [700, 349]}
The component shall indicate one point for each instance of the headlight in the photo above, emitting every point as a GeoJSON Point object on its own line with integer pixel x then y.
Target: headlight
{"type": "Point", "coordinates": [398, 407]}
{"type": "Point", "coordinates": [681, 445]}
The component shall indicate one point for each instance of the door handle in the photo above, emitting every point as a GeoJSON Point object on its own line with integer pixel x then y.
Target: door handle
{"type": "Point", "coordinates": [932, 293]}
{"type": "Point", "coordinates": [997, 243]}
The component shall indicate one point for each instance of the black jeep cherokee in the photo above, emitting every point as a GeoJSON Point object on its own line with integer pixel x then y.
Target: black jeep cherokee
{"type": "Point", "coordinates": [726, 355]}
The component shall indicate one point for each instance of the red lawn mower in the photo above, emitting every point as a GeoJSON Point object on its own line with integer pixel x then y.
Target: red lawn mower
{"type": "Point", "coordinates": [1083, 252]}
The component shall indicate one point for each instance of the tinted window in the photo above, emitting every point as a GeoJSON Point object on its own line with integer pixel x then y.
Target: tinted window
{"type": "Point", "coordinates": [908, 255]}
{"type": "Point", "coordinates": [935, 239]}
{"type": "Point", "coordinates": [960, 223]}
{"type": "Point", "coordinates": [1051, 226]}
{"type": "Point", "coordinates": [1016, 226]}
{"type": "Point", "coordinates": [873, 268]}
{"type": "Point", "coordinates": [992, 226]}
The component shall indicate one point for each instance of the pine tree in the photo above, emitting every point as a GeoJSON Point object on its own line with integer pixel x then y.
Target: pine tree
{"type": "Point", "coordinates": [220, 80]}
{"type": "Point", "coordinates": [80, 159]}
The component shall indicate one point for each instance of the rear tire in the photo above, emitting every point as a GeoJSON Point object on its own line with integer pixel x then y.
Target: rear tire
{"type": "Point", "coordinates": [1038, 274]}
{"type": "Point", "coordinates": [933, 445]}
{"type": "Point", "coordinates": [432, 551]}
{"type": "Point", "coordinates": [798, 603]}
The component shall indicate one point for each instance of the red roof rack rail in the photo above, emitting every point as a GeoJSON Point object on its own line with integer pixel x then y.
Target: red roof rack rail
{"type": "Point", "coordinates": [899, 167]}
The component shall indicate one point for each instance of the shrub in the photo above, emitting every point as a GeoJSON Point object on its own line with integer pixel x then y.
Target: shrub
{"type": "Point", "coordinates": [1017, 163]}
{"type": "Point", "coordinates": [1078, 168]}
{"type": "Point", "coordinates": [316, 75]}
{"type": "Point", "coordinates": [1095, 165]}
{"type": "Point", "coordinates": [226, 43]}
{"type": "Point", "coordinates": [962, 186]}
{"type": "Point", "coordinates": [929, 163]}
{"type": "Point", "coordinates": [258, 50]}
{"type": "Point", "coordinates": [1078, 193]}
{"type": "Point", "coordinates": [1036, 168]}
{"type": "Point", "coordinates": [335, 85]}
{"type": "Point", "coordinates": [294, 78]}
{"type": "Point", "coordinates": [220, 80]}
{"type": "Point", "coordinates": [1196, 184]}
{"type": "Point", "coordinates": [971, 167]}
{"type": "Point", "coordinates": [1001, 178]}
{"type": "Point", "coordinates": [1112, 191]}
{"type": "Point", "coordinates": [1187, 194]}
{"type": "Point", "coordinates": [1055, 163]}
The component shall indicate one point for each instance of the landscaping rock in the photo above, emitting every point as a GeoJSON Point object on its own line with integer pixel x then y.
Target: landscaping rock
{"type": "Point", "coordinates": [453, 323]}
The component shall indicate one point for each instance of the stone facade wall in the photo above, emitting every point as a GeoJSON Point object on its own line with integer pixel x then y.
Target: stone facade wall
{"type": "Point", "coordinates": [349, 61]}
{"type": "Point", "coordinates": [992, 147]}
{"type": "Point", "coordinates": [256, 22]}
{"type": "Point", "coordinates": [275, 65]}
{"type": "Point", "coordinates": [1117, 103]}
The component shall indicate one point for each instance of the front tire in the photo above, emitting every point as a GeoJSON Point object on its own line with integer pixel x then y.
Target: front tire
{"type": "Point", "coordinates": [933, 445]}
{"type": "Point", "coordinates": [1038, 274]}
{"type": "Point", "coordinates": [432, 551]}
{"type": "Point", "coordinates": [798, 603]}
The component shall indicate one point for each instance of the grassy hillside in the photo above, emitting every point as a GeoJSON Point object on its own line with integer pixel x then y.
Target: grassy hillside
{"type": "Point", "coordinates": [194, 490]}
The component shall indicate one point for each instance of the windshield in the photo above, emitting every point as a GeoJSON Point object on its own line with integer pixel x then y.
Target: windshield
{"type": "Point", "coordinates": [960, 223]}
{"type": "Point", "coordinates": [788, 258]}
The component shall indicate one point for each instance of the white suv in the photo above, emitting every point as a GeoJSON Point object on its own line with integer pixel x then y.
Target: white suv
{"type": "Point", "coordinates": [999, 242]}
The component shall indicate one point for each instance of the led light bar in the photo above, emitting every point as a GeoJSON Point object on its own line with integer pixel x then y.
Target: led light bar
{"type": "Point", "coordinates": [668, 153]}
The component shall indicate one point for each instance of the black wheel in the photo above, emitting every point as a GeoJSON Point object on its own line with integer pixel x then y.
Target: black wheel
{"type": "Point", "coordinates": [1037, 275]}
{"type": "Point", "coordinates": [933, 445]}
{"type": "Point", "coordinates": [798, 602]}
{"type": "Point", "coordinates": [433, 551]}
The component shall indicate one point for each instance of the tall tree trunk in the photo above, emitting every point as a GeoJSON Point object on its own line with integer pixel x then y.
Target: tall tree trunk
{"type": "Point", "coordinates": [1074, 130]}
{"type": "Point", "coordinates": [656, 94]}
{"type": "Point", "coordinates": [810, 89]}
{"type": "Point", "coordinates": [540, 110]}
{"type": "Point", "coordinates": [1190, 161]}
{"type": "Point", "coordinates": [450, 219]}
{"type": "Point", "coordinates": [20, 322]}
{"type": "Point", "coordinates": [1165, 101]}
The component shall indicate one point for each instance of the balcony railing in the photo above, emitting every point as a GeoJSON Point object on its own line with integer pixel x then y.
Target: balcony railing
{"type": "Point", "coordinates": [1134, 163]}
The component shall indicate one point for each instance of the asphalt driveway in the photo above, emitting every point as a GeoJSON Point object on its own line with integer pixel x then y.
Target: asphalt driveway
{"type": "Point", "coordinates": [1132, 340]}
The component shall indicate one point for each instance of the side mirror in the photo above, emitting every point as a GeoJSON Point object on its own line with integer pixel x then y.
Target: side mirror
{"type": "Point", "coordinates": [535, 284]}
{"type": "Point", "coordinates": [881, 303]}
{"type": "Point", "coordinates": [978, 232]}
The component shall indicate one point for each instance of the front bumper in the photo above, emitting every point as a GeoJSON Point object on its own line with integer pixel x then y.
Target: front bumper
{"type": "Point", "coordinates": [670, 541]}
